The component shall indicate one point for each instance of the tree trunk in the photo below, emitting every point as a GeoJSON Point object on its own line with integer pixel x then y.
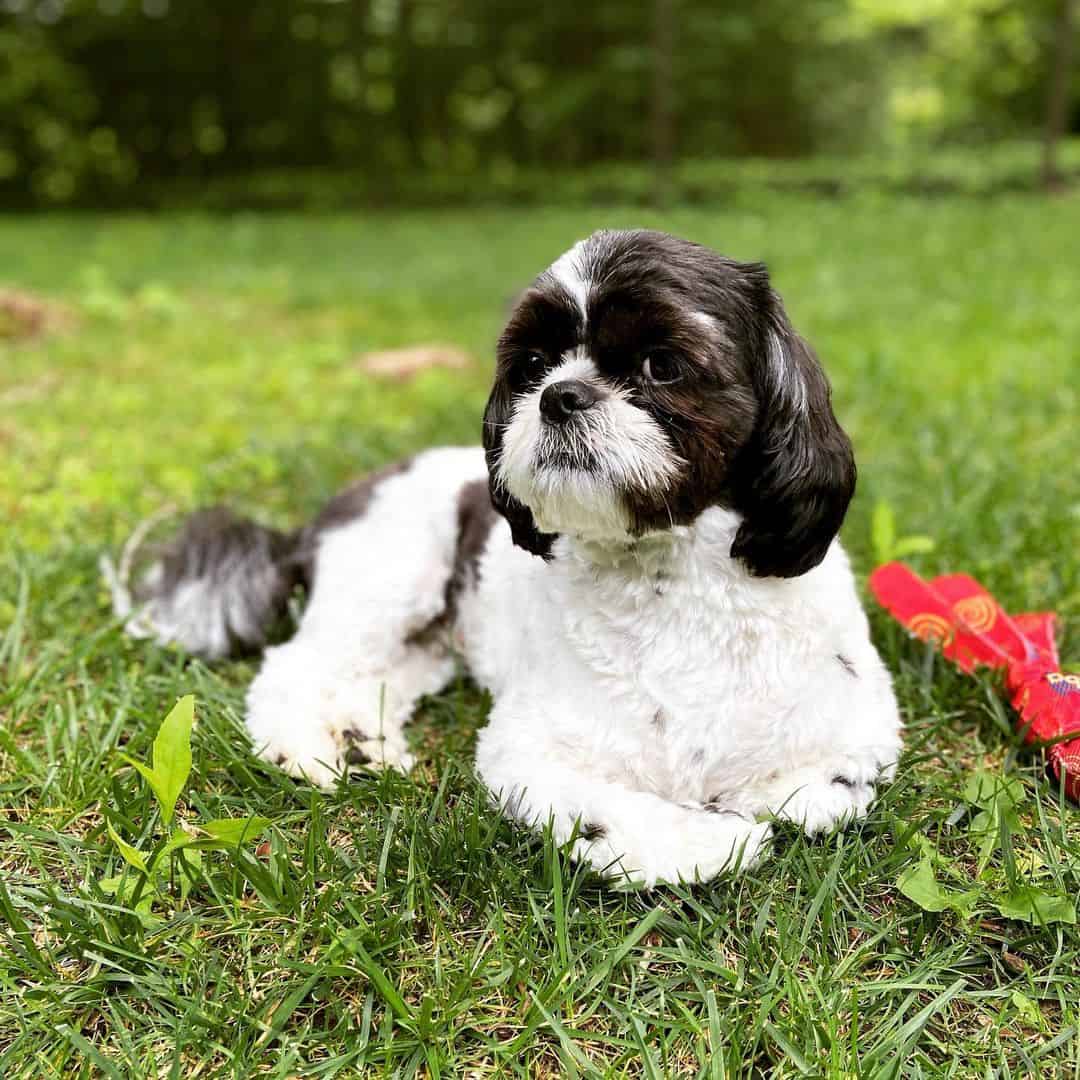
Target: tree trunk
{"type": "Point", "coordinates": [1057, 100]}
{"type": "Point", "coordinates": [663, 98]}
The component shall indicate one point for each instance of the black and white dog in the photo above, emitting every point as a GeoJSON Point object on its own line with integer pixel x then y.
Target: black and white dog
{"type": "Point", "coordinates": [641, 565]}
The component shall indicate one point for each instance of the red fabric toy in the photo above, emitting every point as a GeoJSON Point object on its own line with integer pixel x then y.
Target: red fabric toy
{"type": "Point", "coordinates": [971, 628]}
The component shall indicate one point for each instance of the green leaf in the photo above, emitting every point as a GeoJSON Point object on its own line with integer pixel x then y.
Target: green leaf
{"type": "Point", "coordinates": [998, 799]}
{"type": "Point", "coordinates": [120, 886]}
{"type": "Point", "coordinates": [180, 838]}
{"type": "Point", "coordinates": [1030, 904]}
{"type": "Point", "coordinates": [1027, 1008]}
{"type": "Point", "coordinates": [144, 912]}
{"type": "Point", "coordinates": [171, 756]}
{"type": "Point", "coordinates": [230, 833]}
{"type": "Point", "coordinates": [913, 545]}
{"type": "Point", "coordinates": [189, 861]}
{"type": "Point", "coordinates": [883, 531]}
{"type": "Point", "coordinates": [920, 885]}
{"type": "Point", "coordinates": [132, 855]}
{"type": "Point", "coordinates": [984, 788]}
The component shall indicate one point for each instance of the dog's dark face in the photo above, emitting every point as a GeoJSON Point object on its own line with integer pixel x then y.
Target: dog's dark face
{"type": "Point", "coordinates": [642, 379]}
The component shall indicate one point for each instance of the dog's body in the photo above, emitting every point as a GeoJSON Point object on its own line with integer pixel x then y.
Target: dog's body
{"type": "Point", "coordinates": [670, 632]}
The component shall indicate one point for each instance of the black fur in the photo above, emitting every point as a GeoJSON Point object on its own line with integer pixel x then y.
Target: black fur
{"type": "Point", "coordinates": [795, 477]}
{"type": "Point", "coordinates": [345, 507]}
{"type": "Point", "coordinates": [749, 411]}
{"type": "Point", "coordinates": [476, 518]}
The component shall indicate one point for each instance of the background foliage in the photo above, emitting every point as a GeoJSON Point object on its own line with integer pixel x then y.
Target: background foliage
{"type": "Point", "coordinates": [125, 102]}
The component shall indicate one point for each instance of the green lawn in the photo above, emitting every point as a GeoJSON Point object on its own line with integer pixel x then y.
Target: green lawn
{"type": "Point", "coordinates": [398, 925]}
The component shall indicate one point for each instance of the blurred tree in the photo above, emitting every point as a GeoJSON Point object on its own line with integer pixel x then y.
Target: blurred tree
{"type": "Point", "coordinates": [663, 104]}
{"type": "Point", "coordinates": [1058, 96]}
{"type": "Point", "coordinates": [972, 69]}
{"type": "Point", "coordinates": [104, 99]}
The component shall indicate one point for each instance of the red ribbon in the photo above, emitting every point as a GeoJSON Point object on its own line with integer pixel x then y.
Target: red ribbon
{"type": "Point", "coordinates": [971, 628]}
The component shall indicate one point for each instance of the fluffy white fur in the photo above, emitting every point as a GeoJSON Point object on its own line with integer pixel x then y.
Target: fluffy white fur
{"type": "Point", "coordinates": [350, 678]}
{"type": "Point", "coordinates": [635, 684]}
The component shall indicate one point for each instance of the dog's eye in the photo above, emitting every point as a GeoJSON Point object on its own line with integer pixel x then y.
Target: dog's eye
{"type": "Point", "coordinates": [661, 366]}
{"type": "Point", "coordinates": [532, 361]}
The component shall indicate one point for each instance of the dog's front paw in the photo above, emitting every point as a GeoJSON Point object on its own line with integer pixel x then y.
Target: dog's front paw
{"type": "Point", "coordinates": [690, 845]}
{"type": "Point", "coordinates": [308, 750]}
{"type": "Point", "coordinates": [317, 725]}
{"type": "Point", "coordinates": [376, 752]}
{"type": "Point", "coordinates": [320, 747]}
{"type": "Point", "coordinates": [818, 806]}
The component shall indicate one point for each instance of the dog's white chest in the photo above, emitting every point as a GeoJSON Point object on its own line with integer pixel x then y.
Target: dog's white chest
{"type": "Point", "coordinates": [675, 645]}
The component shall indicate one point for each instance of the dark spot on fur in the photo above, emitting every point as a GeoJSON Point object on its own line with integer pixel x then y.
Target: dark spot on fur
{"type": "Point", "coordinates": [280, 760]}
{"type": "Point", "coordinates": [590, 830]}
{"type": "Point", "coordinates": [659, 720]}
{"type": "Point", "coordinates": [847, 665]}
{"type": "Point", "coordinates": [697, 757]}
{"type": "Point", "coordinates": [716, 808]}
{"type": "Point", "coordinates": [356, 756]}
{"type": "Point", "coordinates": [353, 735]}
{"type": "Point", "coordinates": [476, 516]}
{"type": "Point", "coordinates": [844, 781]}
{"type": "Point", "coordinates": [544, 323]}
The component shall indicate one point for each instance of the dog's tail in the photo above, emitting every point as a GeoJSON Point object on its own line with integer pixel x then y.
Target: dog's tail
{"type": "Point", "coordinates": [217, 589]}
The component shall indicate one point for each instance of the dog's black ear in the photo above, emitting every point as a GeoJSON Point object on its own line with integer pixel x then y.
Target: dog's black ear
{"type": "Point", "coordinates": [523, 528]}
{"type": "Point", "coordinates": [796, 475]}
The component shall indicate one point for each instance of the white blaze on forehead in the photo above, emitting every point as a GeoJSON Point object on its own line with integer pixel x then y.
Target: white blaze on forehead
{"type": "Point", "coordinates": [576, 364]}
{"type": "Point", "coordinates": [569, 271]}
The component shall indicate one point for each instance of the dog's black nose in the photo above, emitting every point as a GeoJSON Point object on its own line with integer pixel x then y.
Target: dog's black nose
{"type": "Point", "coordinates": [562, 399]}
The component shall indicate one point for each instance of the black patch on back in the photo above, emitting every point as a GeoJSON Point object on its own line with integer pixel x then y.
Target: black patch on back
{"type": "Point", "coordinates": [344, 508]}
{"type": "Point", "coordinates": [476, 517]}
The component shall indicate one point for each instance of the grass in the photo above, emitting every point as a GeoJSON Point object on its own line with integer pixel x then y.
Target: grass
{"type": "Point", "coordinates": [397, 926]}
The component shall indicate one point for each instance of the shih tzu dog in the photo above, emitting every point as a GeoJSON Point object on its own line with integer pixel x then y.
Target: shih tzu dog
{"type": "Point", "coordinates": [641, 565]}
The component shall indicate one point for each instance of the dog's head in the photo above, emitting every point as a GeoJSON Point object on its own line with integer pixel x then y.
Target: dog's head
{"type": "Point", "coordinates": [642, 379]}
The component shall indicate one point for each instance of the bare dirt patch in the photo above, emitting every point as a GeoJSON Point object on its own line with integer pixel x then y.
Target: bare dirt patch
{"type": "Point", "coordinates": [25, 315]}
{"type": "Point", "coordinates": [406, 363]}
